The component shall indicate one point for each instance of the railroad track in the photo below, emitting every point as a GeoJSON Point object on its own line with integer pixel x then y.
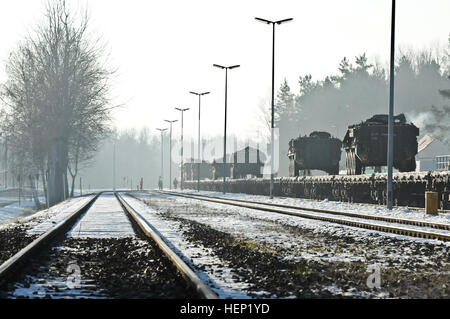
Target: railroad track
{"type": "Point", "coordinates": [12, 268]}
{"type": "Point", "coordinates": [390, 227]}
{"type": "Point", "coordinates": [190, 276]}
{"type": "Point", "coordinates": [13, 265]}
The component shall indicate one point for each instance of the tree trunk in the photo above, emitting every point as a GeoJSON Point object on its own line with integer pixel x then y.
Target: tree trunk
{"type": "Point", "coordinates": [75, 171]}
{"type": "Point", "coordinates": [44, 184]}
{"type": "Point", "coordinates": [73, 185]}
{"type": "Point", "coordinates": [56, 173]}
{"type": "Point", "coordinates": [34, 192]}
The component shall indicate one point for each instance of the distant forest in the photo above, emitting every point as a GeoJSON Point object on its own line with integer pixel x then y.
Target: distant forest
{"type": "Point", "coordinates": [358, 90]}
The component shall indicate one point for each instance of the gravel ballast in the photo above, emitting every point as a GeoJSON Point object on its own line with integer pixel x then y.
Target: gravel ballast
{"type": "Point", "coordinates": [283, 259]}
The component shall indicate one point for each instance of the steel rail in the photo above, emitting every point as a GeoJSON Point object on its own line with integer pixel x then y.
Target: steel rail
{"type": "Point", "coordinates": [14, 264]}
{"type": "Point", "coordinates": [187, 273]}
{"type": "Point", "coordinates": [385, 228]}
{"type": "Point", "coordinates": [443, 211]}
{"type": "Point", "coordinates": [412, 222]}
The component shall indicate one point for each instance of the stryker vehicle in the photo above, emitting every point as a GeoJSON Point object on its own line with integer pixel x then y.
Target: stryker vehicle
{"type": "Point", "coordinates": [365, 144]}
{"type": "Point", "coordinates": [317, 151]}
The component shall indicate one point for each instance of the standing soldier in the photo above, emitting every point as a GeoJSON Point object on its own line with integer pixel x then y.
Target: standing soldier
{"type": "Point", "coordinates": [160, 183]}
{"type": "Point", "coordinates": [175, 183]}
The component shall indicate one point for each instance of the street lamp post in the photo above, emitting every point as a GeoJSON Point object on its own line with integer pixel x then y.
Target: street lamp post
{"type": "Point", "coordinates": [390, 150]}
{"type": "Point", "coordinates": [170, 153]}
{"type": "Point", "coordinates": [114, 165]}
{"type": "Point", "coordinates": [199, 145]}
{"type": "Point", "coordinates": [273, 95]}
{"type": "Point", "coordinates": [162, 153]}
{"type": "Point", "coordinates": [182, 168]}
{"type": "Point", "coordinates": [225, 126]}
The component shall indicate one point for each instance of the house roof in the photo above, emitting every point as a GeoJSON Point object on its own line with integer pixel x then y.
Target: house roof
{"type": "Point", "coordinates": [424, 142]}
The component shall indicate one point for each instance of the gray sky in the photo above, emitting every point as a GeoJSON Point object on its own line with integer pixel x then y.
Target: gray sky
{"type": "Point", "coordinates": [164, 49]}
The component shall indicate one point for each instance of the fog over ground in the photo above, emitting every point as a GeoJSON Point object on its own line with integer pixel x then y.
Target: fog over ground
{"type": "Point", "coordinates": [331, 70]}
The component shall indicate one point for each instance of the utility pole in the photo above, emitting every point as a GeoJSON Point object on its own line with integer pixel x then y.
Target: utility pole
{"type": "Point", "coordinates": [225, 126]}
{"type": "Point", "coordinates": [273, 96]}
{"type": "Point", "coordinates": [170, 153]}
{"type": "Point", "coordinates": [114, 165]}
{"type": "Point", "coordinates": [390, 151]}
{"type": "Point", "coordinates": [182, 167]}
{"type": "Point", "coordinates": [162, 153]}
{"type": "Point", "coordinates": [199, 143]}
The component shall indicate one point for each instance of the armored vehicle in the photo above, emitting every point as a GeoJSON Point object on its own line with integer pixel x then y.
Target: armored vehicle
{"type": "Point", "coordinates": [365, 144]}
{"type": "Point", "coordinates": [317, 151]}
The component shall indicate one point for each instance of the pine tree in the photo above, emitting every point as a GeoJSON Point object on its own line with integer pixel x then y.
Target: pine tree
{"type": "Point", "coordinates": [284, 106]}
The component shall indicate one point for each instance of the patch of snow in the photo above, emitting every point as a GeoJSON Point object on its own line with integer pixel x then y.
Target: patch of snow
{"type": "Point", "coordinates": [105, 219]}
{"type": "Point", "coordinates": [44, 220]}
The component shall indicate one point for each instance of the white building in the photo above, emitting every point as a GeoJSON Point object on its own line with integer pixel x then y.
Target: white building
{"type": "Point", "coordinates": [428, 149]}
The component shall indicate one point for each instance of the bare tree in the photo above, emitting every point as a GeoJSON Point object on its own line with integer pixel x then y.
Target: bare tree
{"type": "Point", "coordinates": [57, 95]}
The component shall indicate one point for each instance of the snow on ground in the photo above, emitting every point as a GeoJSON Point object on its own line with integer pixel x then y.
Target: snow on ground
{"type": "Point", "coordinates": [16, 210]}
{"type": "Point", "coordinates": [399, 212]}
{"type": "Point", "coordinates": [42, 221]}
{"type": "Point", "coordinates": [317, 226]}
{"type": "Point", "coordinates": [266, 227]}
{"type": "Point", "coordinates": [105, 218]}
{"type": "Point", "coordinates": [221, 281]}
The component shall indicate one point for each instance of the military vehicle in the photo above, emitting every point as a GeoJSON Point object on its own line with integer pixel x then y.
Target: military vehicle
{"type": "Point", "coordinates": [317, 151]}
{"type": "Point", "coordinates": [365, 144]}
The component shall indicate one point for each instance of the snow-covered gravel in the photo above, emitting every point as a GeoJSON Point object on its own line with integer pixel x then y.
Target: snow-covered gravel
{"type": "Point", "coordinates": [23, 230]}
{"type": "Point", "coordinates": [100, 268]}
{"type": "Point", "coordinates": [299, 239]}
{"type": "Point", "coordinates": [239, 220]}
{"type": "Point", "coordinates": [101, 257]}
{"type": "Point", "coordinates": [212, 270]}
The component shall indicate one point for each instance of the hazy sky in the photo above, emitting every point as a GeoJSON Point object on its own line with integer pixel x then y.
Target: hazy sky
{"type": "Point", "coordinates": [164, 49]}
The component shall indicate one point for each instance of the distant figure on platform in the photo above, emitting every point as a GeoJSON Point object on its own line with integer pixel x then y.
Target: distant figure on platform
{"type": "Point", "coordinates": [160, 184]}
{"type": "Point", "coordinates": [141, 183]}
{"type": "Point", "coordinates": [175, 183]}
